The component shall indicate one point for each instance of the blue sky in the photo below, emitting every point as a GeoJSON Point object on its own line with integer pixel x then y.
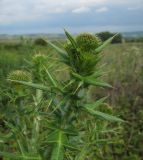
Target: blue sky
{"type": "Point", "coordinates": [51, 16]}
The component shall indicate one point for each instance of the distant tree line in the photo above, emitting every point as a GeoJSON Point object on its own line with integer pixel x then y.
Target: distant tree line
{"type": "Point", "coordinates": [137, 39]}
{"type": "Point", "coordinates": [119, 38]}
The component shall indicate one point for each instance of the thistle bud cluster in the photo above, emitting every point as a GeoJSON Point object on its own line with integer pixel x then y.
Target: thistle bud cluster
{"type": "Point", "coordinates": [20, 75]}
{"type": "Point", "coordinates": [87, 42]}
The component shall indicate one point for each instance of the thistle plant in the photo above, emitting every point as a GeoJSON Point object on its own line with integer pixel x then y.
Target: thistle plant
{"type": "Point", "coordinates": [65, 124]}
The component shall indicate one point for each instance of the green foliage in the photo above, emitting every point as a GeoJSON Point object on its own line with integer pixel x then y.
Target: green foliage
{"type": "Point", "coordinates": [128, 96]}
{"type": "Point", "coordinates": [61, 112]}
{"type": "Point", "coordinates": [60, 131]}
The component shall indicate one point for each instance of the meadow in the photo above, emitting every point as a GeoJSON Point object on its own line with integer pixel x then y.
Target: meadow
{"type": "Point", "coordinates": [123, 67]}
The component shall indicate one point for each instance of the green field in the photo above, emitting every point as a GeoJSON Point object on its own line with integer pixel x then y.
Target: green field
{"type": "Point", "coordinates": [123, 65]}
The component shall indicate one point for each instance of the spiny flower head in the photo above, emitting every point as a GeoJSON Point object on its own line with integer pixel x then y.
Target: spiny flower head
{"type": "Point", "coordinates": [87, 42]}
{"type": "Point", "coordinates": [20, 75]}
{"type": "Point", "coordinates": [39, 58]}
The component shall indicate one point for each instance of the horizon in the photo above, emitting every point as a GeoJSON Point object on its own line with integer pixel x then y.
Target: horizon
{"type": "Point", "coordinates": [62, 33]}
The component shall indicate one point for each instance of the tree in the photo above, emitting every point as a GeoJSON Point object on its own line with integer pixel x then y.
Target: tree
{"type": "Point", "coordinates": [105, 35]}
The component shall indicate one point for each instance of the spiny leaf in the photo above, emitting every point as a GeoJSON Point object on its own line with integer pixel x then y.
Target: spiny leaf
{"type": "Point", "coordinates": [51, 78]}
{"type": "Point", "coordinates": [62, 53]}
{"type": "Point", "coordinates": [77, 76]}
{"type": "Point", "coordinates": [59, 50]}
{"type": "Point", "coordinates": [32, 85]}
{"type": "Point", "coordinates": [60, 140]}
{"type": "Point", "coordinates": [102, 115]}
{"type": "Point", "coordinates": [58, 152]}
{"type": "Point", "coordinates": [94, 82]}
{"type": "Point", "coordinates": [53, 137]}
{"type": "Point", "coordinates": [91, 80]}
{"type": "Point", "coordinates": [96, 104]}
{"type": "Point", "coordinates": [96, 74]}
{"type": "Point", "coordinates": [108, 41]}
{"type": "Point", "coordinates": [71, 39]}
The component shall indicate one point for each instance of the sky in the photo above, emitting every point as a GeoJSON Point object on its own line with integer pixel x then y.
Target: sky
{"type": "Point", "coordinates": [51, 16]}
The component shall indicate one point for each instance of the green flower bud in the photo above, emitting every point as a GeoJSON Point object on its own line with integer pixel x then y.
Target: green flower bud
{"type": "Point", "coordinates": [39, 58]}
{"type": "Point", "coordinates": [20, 75]}
{"type": "Point", "coordinates": [87, 42]}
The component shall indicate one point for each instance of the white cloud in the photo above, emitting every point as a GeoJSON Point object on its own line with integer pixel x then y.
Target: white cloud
{"type": "Point", "coordinates": [81, 10]}
{"type": "Point", "coordinates": [12, 11]}
{"type": "Point", "coordinates": [102, 9]}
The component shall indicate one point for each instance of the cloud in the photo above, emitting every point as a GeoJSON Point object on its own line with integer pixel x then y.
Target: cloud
{"type": "Point", "coordinates": [12, 11]}
{"type": "Point", "coordinates": [102, 9]}
{"type": "Point", "coordinates": [39, 14]}
{"type": "Point", "coordinates": [81, 10]}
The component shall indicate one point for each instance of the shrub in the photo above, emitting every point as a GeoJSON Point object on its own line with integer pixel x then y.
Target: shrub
{"type": "Point", "coordinates": [40, 42]}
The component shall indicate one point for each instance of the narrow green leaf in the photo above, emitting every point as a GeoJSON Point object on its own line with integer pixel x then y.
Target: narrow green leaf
{"type": "Point", "coordinates": [59, 43]}
{"type": "Point", "coordinates": [53, 137]}
{"type": "Point", "coordinates": [90, 80]}
{"type": "Point", "coordinates": [94, 82]}
{"type": "Point", "coordinates": [79, 85]}
{"type": "Point", "coordinates": [96, 74]}
{"type": "Point", "coordinates": [60, 140]}
{"type": "Point", "coordinates": [108, 41]}
{"type": "Point", "coordinates": [51, 78]}
{"type": "Point", "coordinates": [77, 76]}
{"type": "Point", "coordinates": [70, 82]}
{"type": "Point", "coordinates": [62, 53]}
{"type": "Point", "coordinates": [96, 104]}
{"type": "Point", "coordinates": [32, 85]}
{"type": "Point", "coordinates": [102, 115]}
{"type": "Point", "coordinates": [20, 147]}
{"type": "Point", "coordinates": [71, 39]}
{"type": "Point", "coordinates": [58, 152]}
{"type": "Point", "coordinates": [59, 50]}
{"type": "Point", "coordinates": [61, 103]}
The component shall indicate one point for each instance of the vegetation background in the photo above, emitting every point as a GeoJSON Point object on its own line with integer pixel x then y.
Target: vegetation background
{"type": "Point", "coordinates": [123, 62]}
